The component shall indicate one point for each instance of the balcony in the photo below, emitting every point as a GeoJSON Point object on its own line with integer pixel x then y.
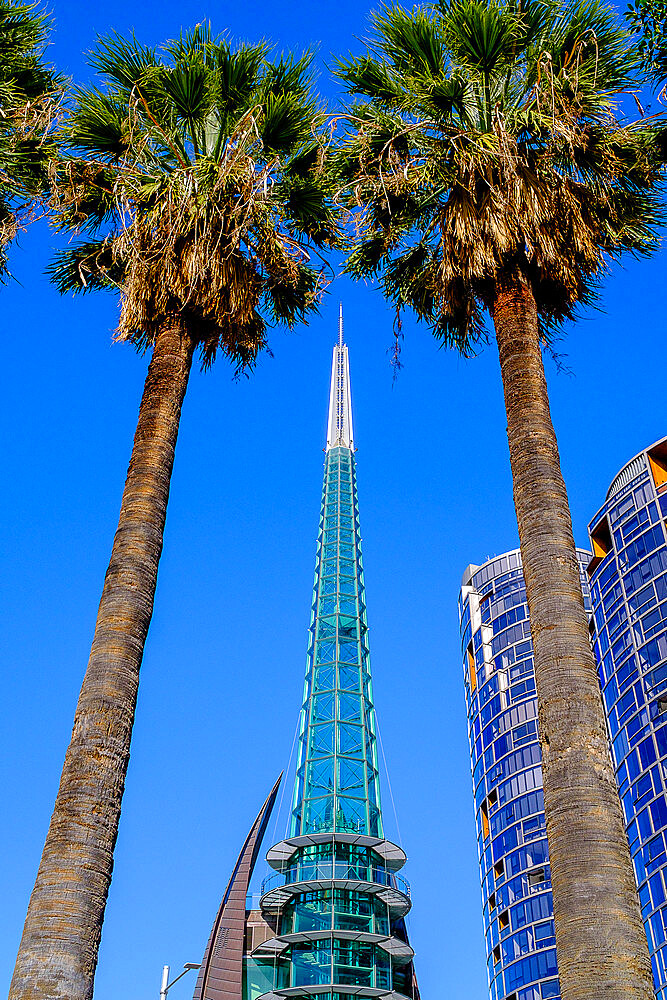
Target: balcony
{"type": "Point", "coordinates": [392, 889]}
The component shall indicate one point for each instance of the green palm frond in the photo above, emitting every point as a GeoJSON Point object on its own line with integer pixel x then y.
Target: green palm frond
{"type": "Point", "coordinates": [410, 40]}
{"type": "Point", "coordinates": [86, 267]}
{"type": "Point", "coordinates": [99, 123]}
{"type": "Point", "coordinates": [235, 77]}
{"type": "Point", "coordinates": [481, 37]}
{"type": "Point", "coordinates": [370, 78]}
{"type": "Point", "coordinates": [123, 62]}
{"type": "Point", "coordinates": [30, 98]}
{"type": "Point", "coordinates": [186, 87]}
{"type": "Point", "coordinates": [289, 75]}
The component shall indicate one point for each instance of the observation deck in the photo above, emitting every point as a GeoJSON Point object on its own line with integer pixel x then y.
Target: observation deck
{"type": "Point", "coordinates": [280, 855]}
{"type": "Point", "coordinates": [306, 876]}
{"type": "Point", "coordinates": [352, 991]}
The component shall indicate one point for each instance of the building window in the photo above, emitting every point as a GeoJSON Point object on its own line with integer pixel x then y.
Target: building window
{"type": "Point", "coordinates": [657, 460]}
{"type": "Point", "coordinates": [601, 542]}
{"type": "Point", "coordinates": [485, 820]}
{"type": "Point", "coordinates": [536, 876]}
{"type": "Point", "coordinates": [471, 668]}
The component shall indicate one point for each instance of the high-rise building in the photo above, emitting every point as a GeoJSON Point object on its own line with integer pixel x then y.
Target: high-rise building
{"type": "Point", "coordinates": [507, 779]}
{"type": "Point", "coordinates": [330, 921]}
{"type": "Point", "coordinates": [628, 579]}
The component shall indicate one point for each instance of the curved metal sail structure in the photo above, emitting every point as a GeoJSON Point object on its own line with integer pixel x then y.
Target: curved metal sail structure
{"type": "Point", "coordinates": [221, 972]}
{"type": "Point", "coordinates": [335, 900]}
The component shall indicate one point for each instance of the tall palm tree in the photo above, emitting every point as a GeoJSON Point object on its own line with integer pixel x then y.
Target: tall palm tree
{"type": "Point", "coordinates": [30, 94]}
{"type": "Point", "coordinates": [197, 174]}
{"type": "Point", "coordinates": [492, 172]}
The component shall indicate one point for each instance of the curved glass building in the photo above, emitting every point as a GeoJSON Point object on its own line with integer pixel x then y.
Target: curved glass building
{"type": "Point", "coordinates": [335, 901]}
{"type": "Point", "coordinates": [507, 779]}
{"type": "Point", "coordinates": [628, 579]}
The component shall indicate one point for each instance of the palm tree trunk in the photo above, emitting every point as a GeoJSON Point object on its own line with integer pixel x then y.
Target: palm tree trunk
{"type": "Point", "coordinates": [600, 939]}
{"type": "Point", "coordinates": [58, 952]}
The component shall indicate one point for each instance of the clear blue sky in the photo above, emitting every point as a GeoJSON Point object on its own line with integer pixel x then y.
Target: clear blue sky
{"type": "Point", "coordinates": [222, 674]}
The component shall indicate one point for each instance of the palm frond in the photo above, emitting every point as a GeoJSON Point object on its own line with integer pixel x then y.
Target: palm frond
{"type": "Point", "coordinates": [86, 267]}
{"type": "Point", "coordinates": [123, 61]}
{"type": "Point", "coordinates": [99, 123]}
{"type": "Point", "coordinates": [410, 40]}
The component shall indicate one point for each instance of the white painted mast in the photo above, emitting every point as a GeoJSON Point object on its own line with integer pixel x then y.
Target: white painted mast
{"type": "Point", "coordinates": [339, 431]}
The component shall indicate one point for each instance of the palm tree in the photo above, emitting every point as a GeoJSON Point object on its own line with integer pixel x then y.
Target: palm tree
{"type": "Point", "coordinates": [30, 93]}
{"type": "Point", "coordinates": [197, 174]}
{"type": "Point", "coordinates": [490, 170]}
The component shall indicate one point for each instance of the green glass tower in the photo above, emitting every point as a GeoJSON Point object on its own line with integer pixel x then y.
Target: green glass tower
{"type": "Point", "coordinates": [335, 902]}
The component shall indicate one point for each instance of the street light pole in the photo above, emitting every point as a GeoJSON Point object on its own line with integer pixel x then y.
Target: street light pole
{"type": "Point", "coordinates": [166, 985]}
{"type": "Point", "coordinates": [165, 980]}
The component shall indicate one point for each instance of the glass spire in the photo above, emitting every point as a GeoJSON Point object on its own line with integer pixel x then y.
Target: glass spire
{"type": "Point", "coordinates": [337, 788]}
{"type": "Point", "coordinates": [334, 902]}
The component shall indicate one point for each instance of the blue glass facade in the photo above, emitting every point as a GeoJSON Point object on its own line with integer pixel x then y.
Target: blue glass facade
{"type": "Point", "coordinates": [507, 779]}
{"type": "Point", "coordinates": [628, 579]}
{"type": "Point", "coordinates": [336, 901]}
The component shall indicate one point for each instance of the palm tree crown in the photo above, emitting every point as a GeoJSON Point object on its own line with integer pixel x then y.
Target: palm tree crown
{"type": "Point", "coordinates": [30, 93]}
{"type": "Point", "coordinates": [489, 138]}
{"type": "Point", "coordinates": [199, 171]}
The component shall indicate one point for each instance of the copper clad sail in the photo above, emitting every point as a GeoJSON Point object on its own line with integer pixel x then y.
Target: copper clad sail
{"type": "Point", "coordinates": [221, 973]}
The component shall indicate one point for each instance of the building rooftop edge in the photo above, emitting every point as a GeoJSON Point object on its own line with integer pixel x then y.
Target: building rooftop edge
{"type": "Point", "coordinates": [616, 483]}
{"type": "Point", "coordinates": [472, 568]}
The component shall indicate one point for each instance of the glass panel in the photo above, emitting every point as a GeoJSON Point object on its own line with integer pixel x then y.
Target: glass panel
{"type": "Point", "coordinates": [259, 978]}
{"type": "Point", "coordinates": [311, 963]}
{"type": "Point", "coordinates": [323, 708]}
{"type": "Point", "coordinates": [374, 828]}
{"type": "Point", "coordinates": [348, 651]}
{"type": "Point", "coordinates": [320, 777]}
{"type": "Point", "coordinates": [350, 815]}
{"type": "Point", "coordinates": [348, 608]}
{"type": "Point", "coordinates": [350, 739]}
{"type": "Point", "coordinates": [349, 707]}
{"type": "Point", "coordinates": [324, 678]}
{"type": "Point", "coordinates": [311, 912]}
{"type": "Point", "coordinates": [322, 740]}
{"type": "Point", "coordinates": [326, 627]}
{"type": "Point", "coordinates": [347, 627]}
{"type": "Point", "coordinates": [372, 778]}
{"type": "Point", "coordinates": [353, 963]}
{"type": "Point", "coordinates": [351, 776]}
{"type": "Point", "coordinates": [348, 678]}
{"type": "Point", "coordinates": [325, 652]}
{"type": "Point", "coordinates": [353, 911]}
{"type": "Point", "coordinates": [318, 815]}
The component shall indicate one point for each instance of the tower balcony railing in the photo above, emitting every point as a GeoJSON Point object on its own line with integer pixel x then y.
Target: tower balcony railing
{"type": "Point", "coordinates": [335, 871]}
